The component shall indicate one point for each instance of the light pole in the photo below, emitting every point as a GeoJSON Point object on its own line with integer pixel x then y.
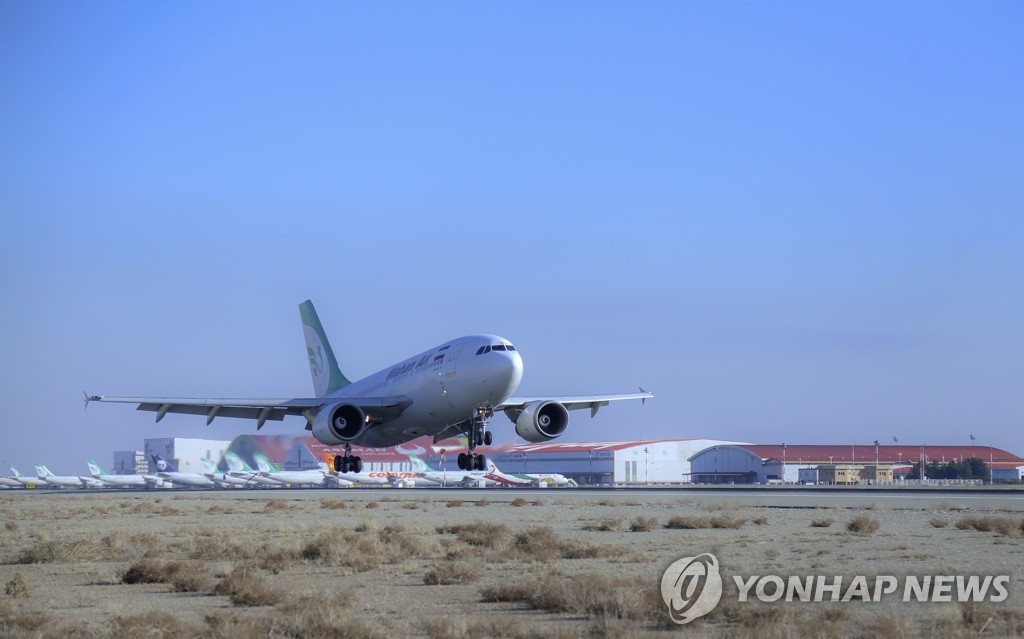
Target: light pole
{"type": "Point", "coordinates": [783, 478]}
{"type": "Point", "coordinates": [647, 475]}
{"type": "Point", "coordinates": [991, 480]}
{"type": "Point", "coordinates": [972, 441]}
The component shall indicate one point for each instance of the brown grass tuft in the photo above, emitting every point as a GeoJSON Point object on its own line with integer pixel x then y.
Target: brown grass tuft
{"type": "Point", "coordinates": [939, 523]}
{"type": "Point", "coordinates": [455, 503]}
{"type": "Point", "coordinates": [17, 587]}
{"type": "Point", "coordinates": [453, 572]}
{"type": "Point", "coordinates": [693, 523]}
{"type": "Point", "coordinates": [821, 523]}
{"type": "Point", "coordinates": [150, 571]}
{"type": "Point", "coordinates": [479, 533]}
{"type": "Point", "coordinates": [333, 503]}
{"type": "Point", "coordinates": [643, 524]}
{"type": "Point", "coordinates": [372, 504]}
{"type": "Point", "coordinates": [246, 588]}
{"type": "Point", "coordinates": [518, 502]}
{"type": "Point", "coordinates": [607, 525]}
{"type": "Point", "coordinates": [999, 525]}
{"type": "Point", "coordinates": [862, 525]}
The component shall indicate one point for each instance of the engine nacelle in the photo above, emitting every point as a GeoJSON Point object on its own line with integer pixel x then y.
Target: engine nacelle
{"type": "Point", "coordinates": [541, 421]}
{"type": "Point", "coordinates": [339, 423]}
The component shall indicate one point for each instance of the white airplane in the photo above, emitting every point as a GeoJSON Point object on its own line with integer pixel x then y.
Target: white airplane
{"type": "Point", "coordinates": [450, 477]}
{"type": "Point", "coordinates": [239, 469]}
{"type": "Point", "coordinates": [447, 391]}
{"type": "Point", "coordinates": [125, 481]}
{"type": "Point", "coordinates": [527, 479]}
{"type": "Point", "coordinates": [290, 477]}
{"type": "Point", "coordinates": [372, 478]}
{"type": "Point", "coordinates": [225, 480]}
{"type": "Point", "coordinates": [66, 481]}
{"type": "Point", "coordinates": [166, 470]}
{"type": "Point", "coordinates": [27, 482]}
{"type": "Point", "coordinates": [9, 482]}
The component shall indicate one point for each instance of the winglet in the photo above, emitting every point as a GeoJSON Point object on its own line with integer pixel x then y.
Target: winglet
{"type": "Point", "coordinates": [89, 399]}
{"type": "Point", "coordinates": [643, 400]}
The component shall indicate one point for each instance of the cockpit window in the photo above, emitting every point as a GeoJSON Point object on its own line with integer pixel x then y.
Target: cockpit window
{"type": "Point", "coordinates": [510, 347]}
{"type": "Point", "coordinates": [498, 347]}
{"type": "Point", "coordinates": [480, 350]}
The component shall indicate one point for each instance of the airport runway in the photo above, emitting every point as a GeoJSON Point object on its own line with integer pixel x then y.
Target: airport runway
{"type": "Point", "coordinates": [978, 499]}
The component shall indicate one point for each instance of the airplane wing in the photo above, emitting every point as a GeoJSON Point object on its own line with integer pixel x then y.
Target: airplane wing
{"type": "Point", "coordinates": [384, 408]}
{"type": "Point", "coordinates": [515, 405]}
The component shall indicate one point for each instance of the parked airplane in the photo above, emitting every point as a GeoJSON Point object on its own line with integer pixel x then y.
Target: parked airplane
{"type": "Point", "coordinates": [371, 477]}
{"type": "Point", "coordinates": [125, 481]}
{"type": "Point", "coordinates": [290, 477]}
{"type": "Point", "coordinates": [528, 479]}
{"type": "Point", "coordinates": [225, 480]}
{"type": "Point", "coordinates": [66, 481]}
{"type": "Point", "coordinates": [166, 470]}
{"type": "Point", "coordinates": [450, 390]}
{"type": "Point", "coordinates": [238, 468]}
{"type": "Point", "coordinates": [27, 482]}
{"type": "Point", "coordinates": [9, 482]}
{"type": "Point", "coordinates": [449, 477]}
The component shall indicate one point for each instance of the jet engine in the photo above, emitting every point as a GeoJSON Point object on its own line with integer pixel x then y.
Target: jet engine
{"type": "Point", "coordinates": [541, 421]}
{"type": "Point", "coordinates": [339, 423]}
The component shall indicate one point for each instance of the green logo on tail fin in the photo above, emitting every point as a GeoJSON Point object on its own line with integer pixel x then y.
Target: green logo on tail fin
{"type": "Point", "coordinates": [323, 366]}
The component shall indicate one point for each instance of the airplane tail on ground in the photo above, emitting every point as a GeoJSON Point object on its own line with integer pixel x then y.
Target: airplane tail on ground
{"type": "Point", "coordinates": [15, 471]}
{"type": "Point", "coordinates": [42, 472]}
{"type": "Point", "coordinates": [95, 470]}
{"type": "Point", "coordinates": [419, 466]}
{"type": "Point", "coordinates": [162, 465]}
{"type": "Point", "coordinates": [327, 377]}
{"type": "Point", "coordinates": [263, 463]}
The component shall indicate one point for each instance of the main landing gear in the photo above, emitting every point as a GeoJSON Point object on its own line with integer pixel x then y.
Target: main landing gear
{"type": "Point", "coordinates": [478, 436]}
{"type": "Point", "coordinates": [348, 463]}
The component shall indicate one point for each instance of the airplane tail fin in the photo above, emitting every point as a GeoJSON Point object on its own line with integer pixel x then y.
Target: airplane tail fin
{"type": "Point", "coordinates": [262, 463]}
{"type": "Point", "coordinates": [95, 470]}
{"type": "Point", "coordinates": [327, 377]}
{"type": "Point", "coordinates": [41, 471]}
{"type": "Point", "coordinates": [162, 465]}
{"type": "Point", "coordinates": [418, 465]}
{"type": "Point", "coordinates": [15, 471]}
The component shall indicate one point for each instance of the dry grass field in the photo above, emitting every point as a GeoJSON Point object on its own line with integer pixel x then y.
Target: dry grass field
{"type": "Point", "coordinates": [310, 564]}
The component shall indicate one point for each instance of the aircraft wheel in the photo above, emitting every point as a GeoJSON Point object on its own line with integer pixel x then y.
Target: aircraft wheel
{"type": "Point", "coordinates": [488, 438]}
{"type": "Point", "coordinates": [339, 463]}
{"type": "Point", "coordinates": [481, 462]}
{"type": "Point", "coordinates": [462, 461]}
{"type": "Point", "coordinates": [357, 464]}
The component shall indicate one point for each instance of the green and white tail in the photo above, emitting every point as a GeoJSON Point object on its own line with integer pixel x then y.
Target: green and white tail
{"type": "Point", "coordinates": [327, 377]}
{"type": "Point", "coordinates": [419, 466]}
{"type": "Point", "coordinates": [95, 470]}
{"type": "Point", "coordinates": [43, 472]}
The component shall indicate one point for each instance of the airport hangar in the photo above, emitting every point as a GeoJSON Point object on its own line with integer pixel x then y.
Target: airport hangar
{"type": "Point", "coordinates": [765, 463]}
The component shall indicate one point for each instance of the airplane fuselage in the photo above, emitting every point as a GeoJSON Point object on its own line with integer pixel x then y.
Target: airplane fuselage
{"type": "Point", "coordinates": [446, 385]}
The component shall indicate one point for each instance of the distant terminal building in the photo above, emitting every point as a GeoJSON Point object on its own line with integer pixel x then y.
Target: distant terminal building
{"type": "Point", "coordinates": [130, 462]}
{"type": "Point", "coordinates": [631, 462]}
{"type": "Point", "coordinates": [804, 463]}
{"type": "Point", "coordinates": [185, 453]}
{"type": "Point", "coordinates": [667, 461]}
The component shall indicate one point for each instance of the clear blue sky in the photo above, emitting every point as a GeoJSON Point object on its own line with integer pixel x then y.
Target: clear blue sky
{"type": "Point", "coordinates": [796, 222]}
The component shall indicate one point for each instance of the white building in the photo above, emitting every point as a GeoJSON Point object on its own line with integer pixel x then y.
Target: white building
{"type": "Point", "coordinates": [665, 461]}
{"type": "Point", "coordinates": [185, 453]}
